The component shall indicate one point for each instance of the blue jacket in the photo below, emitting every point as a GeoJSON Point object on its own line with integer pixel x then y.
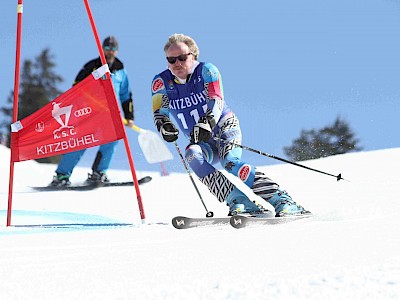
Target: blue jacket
{"type": "Point", "coordinates": [119, 79]}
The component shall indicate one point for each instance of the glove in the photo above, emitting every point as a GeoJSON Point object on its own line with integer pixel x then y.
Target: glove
{"type": "Point", "coordinates": [127, 107]}
{"type": "Point", "coordinates": [169, 131]}
{"type": "Point", "coordinates": [202, 131]}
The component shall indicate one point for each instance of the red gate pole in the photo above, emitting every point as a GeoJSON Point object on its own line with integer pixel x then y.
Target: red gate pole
{"type": "Point", "coordinates": [15, 105]}
{"type": "Point", "coordinates": [130, 159]}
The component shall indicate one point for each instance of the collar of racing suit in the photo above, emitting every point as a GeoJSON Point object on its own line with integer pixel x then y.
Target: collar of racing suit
{"type": "Point", "coordinates": [182, 81]}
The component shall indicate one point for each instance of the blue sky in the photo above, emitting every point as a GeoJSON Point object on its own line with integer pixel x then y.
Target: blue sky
{"type": "Point", "coordinates": [286, 65]}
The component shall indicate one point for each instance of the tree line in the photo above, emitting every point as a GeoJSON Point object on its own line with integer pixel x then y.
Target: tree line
{"type": "Point", "coordinates": [38, 86]}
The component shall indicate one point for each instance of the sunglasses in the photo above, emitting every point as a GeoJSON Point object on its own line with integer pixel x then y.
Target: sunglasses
{"type": "Point", "coordinates": [182, 57]}
{"type": "Point", "coordinates": [108, 48]}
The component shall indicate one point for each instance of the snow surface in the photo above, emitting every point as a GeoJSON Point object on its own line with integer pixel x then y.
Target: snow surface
{"type": "Point", "coordinates": [350, 250]}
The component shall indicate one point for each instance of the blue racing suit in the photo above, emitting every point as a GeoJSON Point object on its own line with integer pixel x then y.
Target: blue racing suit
{"type": "Point", "coordinates": [201, 94]}
{"type": "Point", "coordinates": [123, 93]}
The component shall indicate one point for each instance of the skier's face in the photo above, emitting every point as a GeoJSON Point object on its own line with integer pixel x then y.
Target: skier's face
{"type": "Point", "coordinates": [110, 53]}
{"type": "Point", "coordinates": [180, 59]}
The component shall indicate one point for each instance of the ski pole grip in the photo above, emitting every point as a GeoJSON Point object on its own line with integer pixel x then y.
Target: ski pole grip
{"type": "Point", "coordinates": [134, 127]}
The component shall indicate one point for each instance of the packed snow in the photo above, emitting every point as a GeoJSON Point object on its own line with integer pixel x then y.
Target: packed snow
{"type": "Point", "coordinates": [350, 249]}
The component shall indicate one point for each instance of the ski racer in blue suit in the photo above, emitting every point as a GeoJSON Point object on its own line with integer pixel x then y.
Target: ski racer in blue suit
{"type": "Point", "coordinates": [123, 93]}
{"type": "Point", "coordinates": [191, 92]}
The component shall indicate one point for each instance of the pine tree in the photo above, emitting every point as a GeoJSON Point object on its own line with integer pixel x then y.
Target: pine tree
{"type": "Point", "coordinates": [331, 140]}
{"type": "Point", "coordinates": [38, 86]}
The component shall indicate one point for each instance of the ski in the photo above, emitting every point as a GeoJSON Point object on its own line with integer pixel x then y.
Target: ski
{"type": "Point", "coordinates": [126, 183]}
{"type": "Point", "coordinates": [240, 221]}
{"type": "Point", "coordinates": [90, 186]}
{"type": "Point", "coordinates": [185, 222]}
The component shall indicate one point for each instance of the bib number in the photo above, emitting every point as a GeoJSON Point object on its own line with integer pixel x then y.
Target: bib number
{"type": "Point", "coordinates": [194, 114]}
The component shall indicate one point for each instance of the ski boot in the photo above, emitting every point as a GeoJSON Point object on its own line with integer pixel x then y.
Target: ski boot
{"type": "Point", "coordinates": [239, 203]}
{"type": "Point", "coordinates": [60, 180]}
{"type": "Point", "coordinates": [97, 177]}
{"type": "Point", "coordinates": [285, 206]}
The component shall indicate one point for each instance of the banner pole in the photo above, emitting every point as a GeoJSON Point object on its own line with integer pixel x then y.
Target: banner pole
{"type": "Point", "coordinates": [15, 105]}
{"type": "Point", "coordinates": [130, 159]}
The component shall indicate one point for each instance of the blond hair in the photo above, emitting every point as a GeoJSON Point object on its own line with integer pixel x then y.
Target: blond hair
{"type": "Point", "coordinates": [181, 38]}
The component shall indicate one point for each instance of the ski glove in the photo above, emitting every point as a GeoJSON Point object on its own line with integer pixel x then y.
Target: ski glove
{"type": "Point", "coordinates": [169, 131]}
{"type": "Point", "coordinates": [202, 131]}
{"type": "Point", "coordinates": [127, 107]}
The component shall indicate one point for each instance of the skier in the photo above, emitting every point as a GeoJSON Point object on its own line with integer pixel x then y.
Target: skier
{"type": "Point", "coordinates": [192, 92]}
{"type": "Point", "coordinates": [122, 90]}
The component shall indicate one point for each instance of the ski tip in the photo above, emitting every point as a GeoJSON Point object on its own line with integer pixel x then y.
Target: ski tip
{"type": "Point", "coordinates": [238, 221]}
{"type": "Point", "coordinates": [145, 179]}
{"type": "Point", "coordinates": [179, 222]}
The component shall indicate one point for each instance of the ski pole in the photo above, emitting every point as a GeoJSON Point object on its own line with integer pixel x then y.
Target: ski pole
{"type": "Point", "coordinates": [209, 213]}
{"type": "Point", "coordinates": [134, 127]}
{"type": "Point", "coordinates": [338, 177]}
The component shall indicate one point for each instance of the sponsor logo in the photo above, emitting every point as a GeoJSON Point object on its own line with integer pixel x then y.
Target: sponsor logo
{"type": "Point", "coordinates": [202, 223]}
{"type": "Point", "coordinates": [198, 79]}
{"type": "Point", "coordinates": [62, 116]}
{"type": "Point", "coordinates": [39, 127]}
{"type": "Point", "coordinates": [244, 172]}
{"type": "Point", "coordinates": [171, 84]}
{"type": "Point", "coordinates": [237, 221]}
{"type": "Point", "coordinates": [66, 138]}
{"type": "Point", "coordinates": [180, 222]}
{"type": "Point", "coordinates": [157, 85]}
{"type": "Point", "coordinates": [82, 112]}
{"type": "Point", "coordinates": [195, 155]}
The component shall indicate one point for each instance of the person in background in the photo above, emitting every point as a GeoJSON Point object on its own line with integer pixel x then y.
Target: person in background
{"type": "Point", "coordinates": [192, 93]}
{"type": "Point", "coordinates": [123, 93]}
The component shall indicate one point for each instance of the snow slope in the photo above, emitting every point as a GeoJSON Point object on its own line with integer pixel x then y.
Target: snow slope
{"type": "Point", "coordinates": [350, 250]}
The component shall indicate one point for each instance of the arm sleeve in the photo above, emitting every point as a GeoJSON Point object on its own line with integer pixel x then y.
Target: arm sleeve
{"type": "Point", "coordinates": [160, 102]}
{"type": "Point", "coordinates": [125, 95]}
{"type": "Point", "coordinates": [213, 85]}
